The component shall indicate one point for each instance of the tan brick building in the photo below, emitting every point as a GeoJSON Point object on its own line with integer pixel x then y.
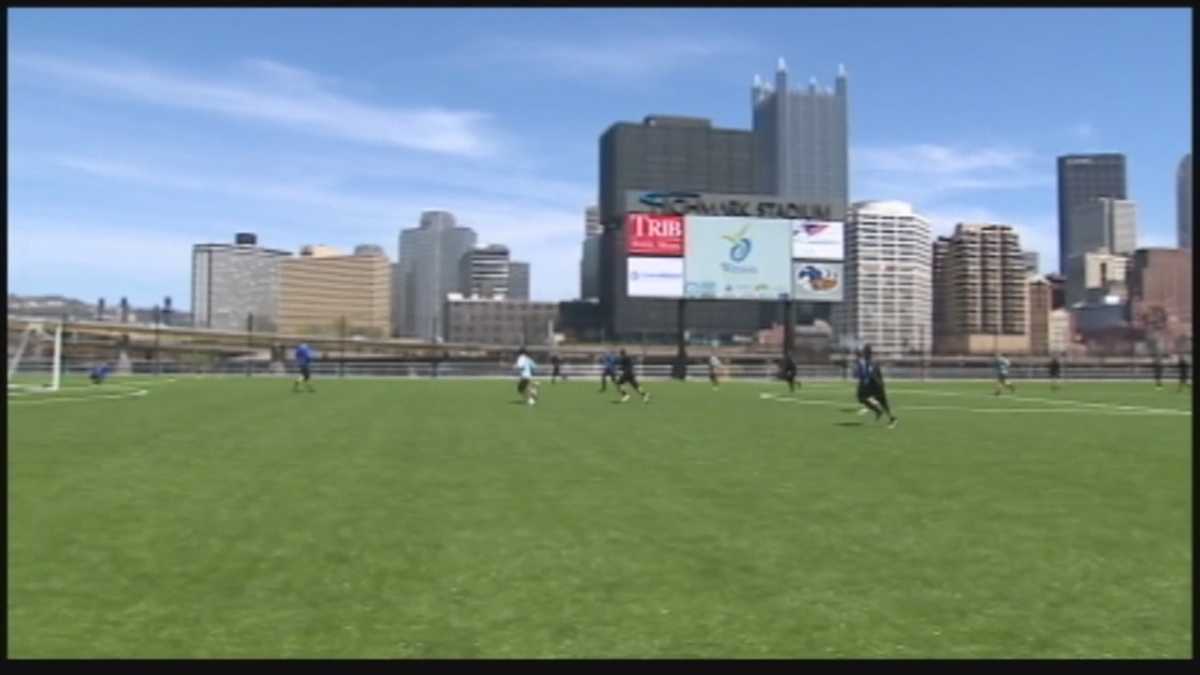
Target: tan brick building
{"type": "Point", "coordinates": [981, 292]}
{"type": "Point", "coordinates": [1160, 295]}
{"type": "Point", "coordinates": [321, 287]}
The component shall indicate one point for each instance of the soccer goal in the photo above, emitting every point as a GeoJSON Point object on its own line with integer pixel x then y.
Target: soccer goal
{"type": "Point", "coordinates": [36, 363]}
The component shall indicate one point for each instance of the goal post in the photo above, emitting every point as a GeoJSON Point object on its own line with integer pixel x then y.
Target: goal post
{"type": "Point", "coordinates": [25, 371]}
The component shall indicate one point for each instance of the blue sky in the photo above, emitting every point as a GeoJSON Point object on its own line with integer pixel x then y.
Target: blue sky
{"type": "Point", "coordinates": [134, 134]}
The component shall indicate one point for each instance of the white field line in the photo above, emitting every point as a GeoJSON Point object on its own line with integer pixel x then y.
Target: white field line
{"type": "Point", "coordinates": [1052, 401]}
{"type": "Point", "coordinates": [30, 398]}
{"type": "Point", "coordinates": [990, 411]}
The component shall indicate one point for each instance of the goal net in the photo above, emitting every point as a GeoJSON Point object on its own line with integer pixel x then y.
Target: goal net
{"type": "Point", "coordinates": [35, 358]}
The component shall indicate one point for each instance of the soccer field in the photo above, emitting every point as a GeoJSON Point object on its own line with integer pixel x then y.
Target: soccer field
{"type": "Point", "coordinates": [404, 518]}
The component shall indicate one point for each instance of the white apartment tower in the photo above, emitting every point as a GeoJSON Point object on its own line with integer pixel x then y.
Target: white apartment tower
{"type": "Point", "coordinates": [889, 298]}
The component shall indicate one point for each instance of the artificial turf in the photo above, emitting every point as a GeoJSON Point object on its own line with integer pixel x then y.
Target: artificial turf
{"type": "Point", "coordinates": [230, 517]}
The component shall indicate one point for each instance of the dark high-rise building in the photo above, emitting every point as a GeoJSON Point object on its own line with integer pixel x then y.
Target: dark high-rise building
{"type": "Point", "coordinates": [664, 154]}
{"type": "Point", "coordinates": [801, 140]}
{"type": "Point", "coordinates": [1081, 179]}
{"type": "Point", "coordinates": [518, 280]}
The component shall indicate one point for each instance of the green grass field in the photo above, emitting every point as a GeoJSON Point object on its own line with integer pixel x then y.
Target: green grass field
{"type": "Point", "coordinates": [401, 518]}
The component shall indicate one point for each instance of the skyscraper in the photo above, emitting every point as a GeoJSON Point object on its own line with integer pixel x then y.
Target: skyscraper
{"type": "Point", "coordinates": [589, 263]}
{"type": "Point", "coordinates": [888, 298]}
{"type": "Point", "coordinates": [1184, 201]}
{"type": "Point", "coordinates": [801, 140]}
{"type": "Point", "coordinates": [981, 291]}
{"type": "Point", "coordinates": [592, 226]}
{"type": "Point", "coordinates": [518, 280]}
{"type": "Point", "coordinates": [428, 268]}
{"type": "Point", "coordinates": [1082, 178]}
{"type": "Point", "coordinates": [484, 272]}
{"type": "Point", "coordinates": [232, 281]}
{"type": "Point", "coordinates": [1103, 225]}
{"type": "Point", "coordinates": [1031, 261]}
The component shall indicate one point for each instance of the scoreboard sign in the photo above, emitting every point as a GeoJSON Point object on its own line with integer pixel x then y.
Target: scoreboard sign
{"type": "Point", "coordinates": [654, 235]}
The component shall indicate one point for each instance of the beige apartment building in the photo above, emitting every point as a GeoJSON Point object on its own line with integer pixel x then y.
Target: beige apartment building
{"type": "Point", "coordinates": [322, 287]}
{"type": "Point", "coordinates": [981, 291]}
{"type": "Point", "coordinates": [1040, 306]}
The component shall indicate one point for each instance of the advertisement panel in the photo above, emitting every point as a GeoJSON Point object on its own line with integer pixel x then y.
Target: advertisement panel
{"type": "Point", "coordinates": [817, 240]}
{"type": "Point", "coordinates": [655, 235]}
{"type": "Point", "coordinates": [655, 278]}
{"type": "Point", "coordinates": [817, 281]}
{"type": "Point", "coordinates": [737, 258]}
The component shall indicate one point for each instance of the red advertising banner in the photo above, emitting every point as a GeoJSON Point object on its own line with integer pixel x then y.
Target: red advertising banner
{"type": "Point", "coordinates": [650, 234]}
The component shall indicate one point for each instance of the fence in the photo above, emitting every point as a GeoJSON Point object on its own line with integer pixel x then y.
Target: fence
{"type": "Point", "coordinates": [1099, 370]}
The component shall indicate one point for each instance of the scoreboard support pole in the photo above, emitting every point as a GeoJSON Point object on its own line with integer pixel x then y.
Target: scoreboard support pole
{"type": "Point", "coordinates": [679, 368]}
{"type": "Point", "coordinates": [789, 327]}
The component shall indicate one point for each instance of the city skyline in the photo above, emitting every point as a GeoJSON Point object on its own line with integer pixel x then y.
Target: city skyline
{"type": "Point", "coordinates": [126, 142]}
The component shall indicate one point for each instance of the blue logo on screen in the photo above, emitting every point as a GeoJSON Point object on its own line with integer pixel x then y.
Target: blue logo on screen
{"type": "Point", "coordinates": [741, 244]}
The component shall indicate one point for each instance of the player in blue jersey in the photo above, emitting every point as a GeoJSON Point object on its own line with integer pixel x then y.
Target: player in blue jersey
{"type": "Point", "coordinates": [525, 385]}
{"type": "Point", "coordinates": [609, 362]}
{"type": "Point", "coordinates": [304, 357]}
{"type": "Point", "coordinates": [871, 392]}
{"type": "Point", "coordinates": [98, 374]}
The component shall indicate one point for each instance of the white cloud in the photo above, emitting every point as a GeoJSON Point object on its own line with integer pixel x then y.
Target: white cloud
{"type": "Point", "coordinates": [922, 173]}
{"type": "Point", "coordinates": [283, 95]}
{"type": "Point", "coordinates": [545, 231]}
{"type": "Point", "coordinates": [626, 57]}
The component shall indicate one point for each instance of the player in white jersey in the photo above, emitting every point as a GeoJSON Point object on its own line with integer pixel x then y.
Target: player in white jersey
{"type": "Point", "coordinates": [526, 386]}
{"type": "Point", "coordinates": [1001, 367]}
{"type": "Point", "coordinates": [714, 364]}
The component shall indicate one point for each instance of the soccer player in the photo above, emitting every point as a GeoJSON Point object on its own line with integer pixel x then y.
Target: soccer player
{"type": "Point", "coordinates": [1055, 371]}
{"type": "Point", "coordinates": [788, 371]}
{"type": "Point", "coordinates": [713, 364]}
{"type": "Point", "coordinates": [1183, 373]}
{"type": "Point", "coordinates": [525, 385]}
{"type": "Point", "coordinates": [1157, 366]}
{"type": "Point", "coordinates": [99, 373]}
{"type": "Point", "coordinates": [556, 363]}
{"type": "Point", "coordinates": [871, 392]}
{"type": "Point", "coordinates": [304, 358]}
{"type": "Point", "coordinates": [610, 370]}
{"type": "Point", "coordinates": [1001, 365]}
{"type": "Point", "coordinates": [628, 377]}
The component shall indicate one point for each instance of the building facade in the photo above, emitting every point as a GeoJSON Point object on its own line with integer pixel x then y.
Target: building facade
{"type": "Point", "coordinates": [1160, 295]}
{"type": "Point", "coordinates": [1104, 225]}
{"type": "Point", "coordinates": [499, 322]}
{"type": "Point", "coordinates": [518, 280]}
{"type": "Point", "coordinates": [589, 269]}
{"type": "Point", "coordinates": [888, 283]}
{"type": "Point", "coordinates": [1040, 301]}
{"type": "Point", "coordinates": [1082, 178]}
{"type": "Point", "coordinates": [1058, 331]}
{"type": "Point", "coordinates": [329, 293]}
{"type": "Point", "coordinates": [1031, 261]}
{"type": "Point", "coordinates": [801, 139]}
{"type": "Point", "coordinates": [981, 291]}
{"type": "Point", "coordinates": [1183, 196]}
{"type": "Point", "coordinates": [484, 272]}
{"type": "Point", "coordinates": [1092, 277]}
{"type": "Point", "coordinates": [231, 282]}
{"type": "Point", "coordinates": [428, 266]}
{"type": "Point", "coordinates": [592, 227]}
